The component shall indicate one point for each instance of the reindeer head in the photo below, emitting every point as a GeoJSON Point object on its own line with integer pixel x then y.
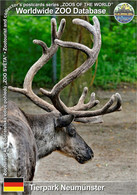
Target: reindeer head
{"type": "Point", "coordinates": [67, 139]}
{"type": "Point", "coordinates": [69, 142]}
{"type": "Point", "coordinates": [54, 132]}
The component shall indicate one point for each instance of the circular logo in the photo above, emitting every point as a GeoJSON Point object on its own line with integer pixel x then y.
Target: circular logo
{"type": "Point", "coordinates": [124, 13]}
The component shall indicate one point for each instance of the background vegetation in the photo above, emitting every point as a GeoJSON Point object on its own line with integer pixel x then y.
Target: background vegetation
{"type": "Point", "coordinates": [116, 61]}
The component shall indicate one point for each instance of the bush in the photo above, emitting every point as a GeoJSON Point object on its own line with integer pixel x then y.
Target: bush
{"type": "Point", "coordinates": [117, 58]}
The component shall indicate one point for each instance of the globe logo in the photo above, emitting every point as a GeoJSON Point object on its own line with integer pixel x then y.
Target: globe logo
{"type": "Point", "coordinates": [124, 13]}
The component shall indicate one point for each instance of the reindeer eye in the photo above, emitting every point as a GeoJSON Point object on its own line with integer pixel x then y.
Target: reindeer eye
{"type": "Point", "coordinates": [71, 131]}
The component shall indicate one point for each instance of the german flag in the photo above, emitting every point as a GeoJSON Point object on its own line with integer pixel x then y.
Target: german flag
{"type": "Point", "coordinates": [13, 185]}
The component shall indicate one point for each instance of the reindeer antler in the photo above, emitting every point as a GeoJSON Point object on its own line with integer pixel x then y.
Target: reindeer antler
{"type": "Point", "coordinates": [79, 110]}
{"type": "Point", "coordinates": [47, 54]}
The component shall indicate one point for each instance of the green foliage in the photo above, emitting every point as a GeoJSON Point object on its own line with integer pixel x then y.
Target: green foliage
{"type": "Point", "coordinates": [117, 58]}
{"type": "Point", "coordinates": [22, 53]}
{"type": "Point", "coordinates": [116, 62]}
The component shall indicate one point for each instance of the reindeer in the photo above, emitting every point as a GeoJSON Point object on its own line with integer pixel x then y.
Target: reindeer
{"type": "Point", "coordinates": [32, 137]}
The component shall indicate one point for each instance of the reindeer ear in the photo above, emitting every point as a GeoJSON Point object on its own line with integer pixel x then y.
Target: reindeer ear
{"type": "Point", "coordinates": [63, 121]}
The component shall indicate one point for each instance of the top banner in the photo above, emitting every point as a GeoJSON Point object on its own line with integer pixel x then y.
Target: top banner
{"type": "Point", "coordinates": [65, 8]}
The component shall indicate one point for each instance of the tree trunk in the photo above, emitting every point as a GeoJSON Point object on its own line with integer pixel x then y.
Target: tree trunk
{"type": "Point", "coordinates": [71, 59]}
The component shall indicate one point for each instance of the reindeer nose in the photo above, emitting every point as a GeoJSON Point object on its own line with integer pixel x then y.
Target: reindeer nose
{"type": "Point", "coordinates": [90, 152]}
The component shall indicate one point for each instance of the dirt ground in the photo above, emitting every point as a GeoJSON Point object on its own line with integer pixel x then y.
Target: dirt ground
{"type": "Point", "coordinates": [113, 143]}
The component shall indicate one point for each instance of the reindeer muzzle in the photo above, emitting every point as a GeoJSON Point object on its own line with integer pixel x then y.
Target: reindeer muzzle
{"type": "Point", "coordinates": [88, 156]}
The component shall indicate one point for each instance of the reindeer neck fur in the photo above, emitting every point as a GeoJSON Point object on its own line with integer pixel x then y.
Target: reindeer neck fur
{"type": "Point", "coordinates": [44, 132]}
